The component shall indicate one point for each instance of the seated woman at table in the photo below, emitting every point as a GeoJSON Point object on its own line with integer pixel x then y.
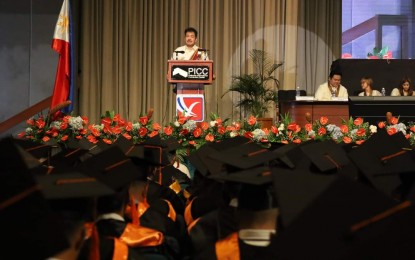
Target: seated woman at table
{"type": "Point", "coordinates": [404, 89]}
{"type": "Point", "coordinates": [367, 87]}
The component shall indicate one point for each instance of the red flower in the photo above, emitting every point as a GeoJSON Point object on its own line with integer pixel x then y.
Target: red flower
{"type": "Point", "coordinates": [92, 139]}
{"type": "Point", "coordinates": [182, 119]}
{"type": "Point", "coordinates": [192, 143]}
{"type": "Point", "coordinates": [116, 130]}
{"type": "Point", "coordinates": [274, 129]}
{"type": "Point", "coordinates": [344, 129]}
{"type": "Point", "coordinates": [237, 126]}
{"type": "Point", "coordinates": [221, 130]}
{"type": "Point", "coordinates": [143, 120]}
{"type": "Point", "coordinates": [197, 132]}
{"type": "Point", "coordinates": [358, 121]}
{"type": "Point", "coordinates": [85, 119]}
{"type": "Point", "coordinates": [392, 131]}
{"type": "Point", "coordinates": [308, 127]}
{"type": "Point", "coordinates": [218, 121]}
{"type": "Point", "coordinates": [321, 131]}
{"type": "Point", "coordinates": [184, 132]}
{"type": "Point", "coordinates": [248, 135]}
{"type": "Point", "coordinates": [64, 138]}
{"type": "Point", "coordinates": [381, 125]}
{"type": "Point", "coordinates": [40, 123]}
{"type": "Point", "coordinates": [168, 130]}
{"type": "Point", "coordinates": [347, 140]}
{"type": "Point", "coordinates": [361, 132]}
{"type": "Point", "coordinates": [407, 136]}
{"type": "Point", "coordinates": [251, 120]}
{"type": "Point", "coordinates": [412, 128]}
{"type": "Point", "coordinates": [30, 122]}
{"type": "Point", "coordinates": [394, 120]}
{"type": "Point", "coordinates": [45, 139]}
{"type": "Point", "coordinates": [121, 122]}
{"type": "Point", "coordinates": [324, 120]}
{"type": "Point", "coordinates": [106, 121]}
{"type": "Point", "coordinates": [209, 138]}
{"type": "Point", "coordinates": [128, 127]}
{"type": "Point", "coordinates": [142, 131]}
{"type": "Point", "coordinates": [284, 141]}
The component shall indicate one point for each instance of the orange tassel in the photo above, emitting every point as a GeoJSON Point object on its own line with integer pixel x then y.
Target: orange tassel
{"type": "Point", "coordinates": [134, 211]}
{"type": "Point", "coordinates": [94, 250]}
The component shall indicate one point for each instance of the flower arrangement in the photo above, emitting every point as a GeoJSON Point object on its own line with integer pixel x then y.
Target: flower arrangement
{"type": "Point", "coordinates": [192, 135]}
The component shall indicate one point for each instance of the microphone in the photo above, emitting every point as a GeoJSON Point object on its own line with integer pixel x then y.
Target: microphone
{"type": "Point", "coordinates": [200, 49]}
{"type": "Point", "coordinates": [179, 52]}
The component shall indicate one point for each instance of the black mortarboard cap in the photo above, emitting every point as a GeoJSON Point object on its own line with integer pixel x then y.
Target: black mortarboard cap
{"type": "Point", "coordinates": [325, 228]}
{"type": "Point", "coordinates": [202, 161]}
{"type": "Point", "coordinates": [24, 213]}
{"type": "Point", "coordinates": [37, 149]}
{"type": "Point", "coordinates": [157, 150]}
{"type": "Point", "coordinates": [112, 167]}
{"type": "Point", "coordinates": [381, 160]}
{"type": "Point", "coordinates": [326, 155]}
{"type": "Point", "coordinates": [244, 156]}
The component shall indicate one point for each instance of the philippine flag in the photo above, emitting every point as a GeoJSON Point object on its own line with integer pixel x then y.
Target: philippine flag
{"type": "Point", "coordinates": [62, 44]}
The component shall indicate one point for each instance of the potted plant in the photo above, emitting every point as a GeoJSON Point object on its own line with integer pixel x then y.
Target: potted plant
{"type": "Point", "coordinates": [258, 90]}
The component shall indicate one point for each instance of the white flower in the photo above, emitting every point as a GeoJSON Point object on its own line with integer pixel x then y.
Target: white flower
{"type": "Point", "coordinates": [29, 130]}
{"type": "Point", "coordinates": [98, 127]}
{"type": "Point", "coordinates": [136, 126]}
{"type": "Point", "coordinates": [281, 127]}
{"type": "Point", "coordinates": [190, 125]}
{"type": "Point", "coordinates": [258, 134]}
{"type": "Point", "coordinates": [56, 125]}
{"type": "Point", "coordinates": [373, 129]}
{"type": "Point", "coordinates": [76, 123]}
{"type": "Point", "coordinates": [311, 133]}
{"type": "Point", "coordinates": [233, 134]}
{"type": "Point", "coordinates": [176, 124]}
{"type": "Point", "coordinates": [212, 123]}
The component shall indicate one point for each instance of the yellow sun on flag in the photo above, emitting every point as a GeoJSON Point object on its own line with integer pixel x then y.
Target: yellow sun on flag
{"type": "Point", "coordinates": [63, 23]}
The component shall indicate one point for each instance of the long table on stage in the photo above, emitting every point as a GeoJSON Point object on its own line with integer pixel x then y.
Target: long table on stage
{"type": "Point", "coordinates": [335, 111]}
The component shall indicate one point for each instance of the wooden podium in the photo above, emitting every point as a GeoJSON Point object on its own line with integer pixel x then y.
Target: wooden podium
{"type": "Point", "coordinates": [190, 78]}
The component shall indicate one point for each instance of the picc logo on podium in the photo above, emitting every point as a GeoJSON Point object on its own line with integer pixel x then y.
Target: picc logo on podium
{"type": "Point", "coordinates": [197, 72]}
{"type": "Point", "coordinates": [191, 105]}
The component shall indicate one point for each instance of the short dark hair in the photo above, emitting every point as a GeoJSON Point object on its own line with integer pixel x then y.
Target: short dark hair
{"type": "Point", "coordinates": [335, 72]}
{"type": "Point", "coordinates": [190, 29]}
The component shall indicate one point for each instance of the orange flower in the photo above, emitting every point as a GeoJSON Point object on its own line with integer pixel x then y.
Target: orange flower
{"type": "Point", "coordinates": [294, 127]}
{"type": "Point", "coordinates": [219, 121]}
{"type": "Point", "coordinates": [85, 120]}
{"type": "Point", "coordinates": [412, 128]}
{"type": "Point", "coordinates": [107, 141]}
{"type": "Point", "coordinates": [192, 143]}
{"type": "Point", "coordinates": [324, 120]}
{"type": "Point", "coordinates": [251, 120]}
{"type": "Point", "coordinates": [347, 140]}
{"type": "Point", "coordinates": [153, 133]}
{"type": "Point", "coordinates": [116, 118]}
{"type": "Point", "coordinates": [248, 135]}
{"type": "Point", "coordinates": [182, 119]}
{"type": "Point", "coordinates": [297, 140]}
{"type": "Point", "coordinates": [359, 142]}
{"type": "Point", "coordinates": [284, 141]}
{"type": "Point", "coordinates": [156, 126]}
{"type": "Point", "coordinates": [143, 120]}
{"type": "Point", "coordinates": [30, 122]}
{"type": "Point", "coordinates": [381, 125]}
{"type": "Point", "coordinates": [358, 121]}
{"type": "Point", "coordinates": [237, 126]}
{"type": "Point", "coordinates": [344, 129]}
{"type": "Point", "coordinates": [394, 120]}
{"type": "Point", "coordinates": [40, 123]}
{"type": "Point", "coordinates": [204, 126]}
{"type": "Point", "coordinates": [45, 139]}
{"type": "Point", "coordinates": [64, 138]}
{"type": "Point", "coordinates": [168, 130]}
{"type": "Point", "coordinates": [321, 131]}
{"type": "Point", "coordinates": [209, 138]}
{"type": "Point", "coordinates": [308, 127]}
{"type": "Point", "coordinates": [392, 131]}
{"type": "Point", "coordinates": [21, 134]}
{"type": "Point", "coordinates": [106, 121]}
{"type": "Point", "coordinates": [361, 132]}
{"type": "Point", "coordinates": [127, 136]}
{"type": "Point", "coordinates": [274, 129]}
{"type": "Point", "coordinates": [407, 136]}
{"type": "Point", "coordinates": [197, 132]}
{"type": "Point", "coordinates": [92, 139]}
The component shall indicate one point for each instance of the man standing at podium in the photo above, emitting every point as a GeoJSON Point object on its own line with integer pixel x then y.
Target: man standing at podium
{"type": "Point", "coordinates": [190, 51]}
{"type": "Point", "coordinates": [332, 88]}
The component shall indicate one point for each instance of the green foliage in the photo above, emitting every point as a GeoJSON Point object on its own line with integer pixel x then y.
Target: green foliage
{"type": "Point", "coordinates": [379, 52]}
{"type": "Point", "coordinates": [255, 89]}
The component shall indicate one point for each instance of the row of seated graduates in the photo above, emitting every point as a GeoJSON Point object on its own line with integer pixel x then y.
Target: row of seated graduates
{"type": "Point", "coordinates": [240, 186]}
{"type": "Point", "coordinates": [143, 212]}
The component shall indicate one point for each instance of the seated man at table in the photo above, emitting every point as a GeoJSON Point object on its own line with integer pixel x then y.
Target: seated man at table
{"type": "Point", "coordinates": [332, 88]}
